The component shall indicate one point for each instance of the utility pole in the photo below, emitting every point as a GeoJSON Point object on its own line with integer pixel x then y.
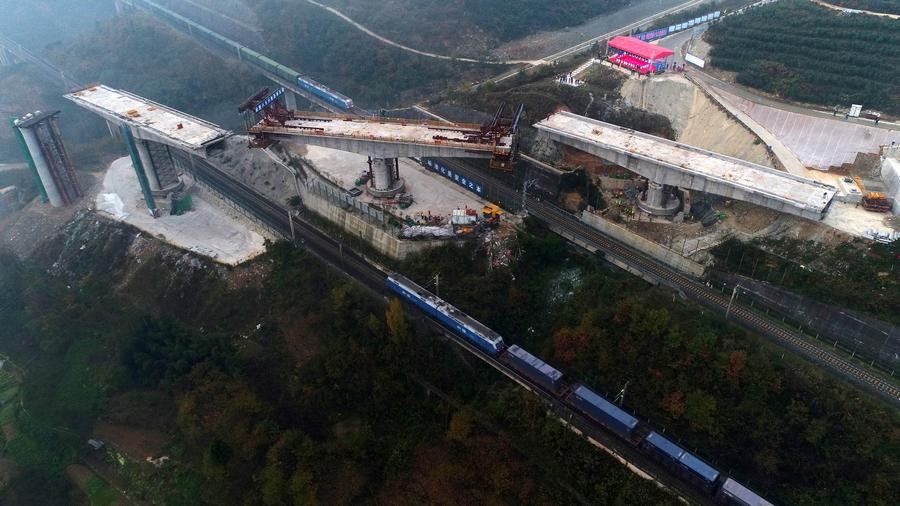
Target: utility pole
{"type": "Point", "coordinates": [291, 221]}
{"type": "Point", "coordinates": [620, 398]}
{"type": "Point", "coordinates": [733, 295]}
{"type": "Point", "coordinates": [437, 284]}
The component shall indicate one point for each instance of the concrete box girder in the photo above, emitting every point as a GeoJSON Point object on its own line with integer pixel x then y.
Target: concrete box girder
{"type": "Point", "coordinates": [676, 164]}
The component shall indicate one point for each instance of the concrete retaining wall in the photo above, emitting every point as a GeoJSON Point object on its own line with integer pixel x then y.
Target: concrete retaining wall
{"type": "Point", "coordinates": [382, 240]}
{"type": "Point", "coordinates": [655, 250]}
{"type": "Point", "coordinates": [234, 211]}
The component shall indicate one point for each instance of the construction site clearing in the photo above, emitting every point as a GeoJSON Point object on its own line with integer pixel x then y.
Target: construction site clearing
{"type": "Point", "coordinates": [428, 199]}
{"type": "Point", "coordinates": [205, 230]}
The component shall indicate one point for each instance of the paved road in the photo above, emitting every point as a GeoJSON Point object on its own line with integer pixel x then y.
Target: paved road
{"type": "Point", "coordinates": [844, 9]}
{"type": "Point", "coordinates": [581, 46]}
{"type": "Point", "coordinates": [786, 106]}
{"type": "Point", "coordinates": [409, 49]}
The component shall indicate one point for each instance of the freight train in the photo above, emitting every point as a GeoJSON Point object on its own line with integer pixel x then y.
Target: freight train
{"type": "Point", "coordinates": [248, 55]}
{"type": "Point", "coordinates": [580, 398]}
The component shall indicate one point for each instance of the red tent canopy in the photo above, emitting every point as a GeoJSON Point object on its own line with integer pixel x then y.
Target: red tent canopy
{"type": "Point", "coordinates": [640, 48]}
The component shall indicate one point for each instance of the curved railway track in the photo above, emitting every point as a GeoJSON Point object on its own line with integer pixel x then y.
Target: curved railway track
{"type": "Point", "coordinates": [694, 289]}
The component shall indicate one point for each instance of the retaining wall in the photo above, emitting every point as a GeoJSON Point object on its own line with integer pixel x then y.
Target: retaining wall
{"type": "Point", "coordinates": [355, 224]}
{"type": "Point", "coordinates": [655, 250]}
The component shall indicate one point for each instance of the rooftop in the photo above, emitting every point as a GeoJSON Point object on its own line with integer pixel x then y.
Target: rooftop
{"type": "Point", "coordinates": [170, 126]}
{"type": "Point", "coordinates": [640, 48]}
{"type": "Point", "coordinates": [782, 186]}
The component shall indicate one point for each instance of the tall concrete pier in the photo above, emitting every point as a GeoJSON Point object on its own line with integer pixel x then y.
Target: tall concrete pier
{"type": "Point", "coordinates": [51, 160]}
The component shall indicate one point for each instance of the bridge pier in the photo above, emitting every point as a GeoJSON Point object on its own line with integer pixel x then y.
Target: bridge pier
{"type": "Point", "coordinates": [384, 178]}
{"type": "Point", "coordinates": [42, 167]}
{"type": "Point", "coordinates": [147, 162]}
{"type": "Point", "coordinates": [164, 168]}
{"type": "Point", "coordinates": [659, 200]}
{"type": "Point", "coordinates": [290, 100]}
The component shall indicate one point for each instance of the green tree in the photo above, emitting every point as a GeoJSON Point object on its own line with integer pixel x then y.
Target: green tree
{"type": "Point", "coordinates": [700, 411]}
{"type": "Point", "coordinates": [461, 425]}
{"type": "Point", "coordinates": [400, 330]}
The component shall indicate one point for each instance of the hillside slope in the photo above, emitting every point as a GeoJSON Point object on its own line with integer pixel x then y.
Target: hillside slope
{"type": "Point", "coordinates": [800, 51]}
{"type": "Point", "coordinates": [469, 27]}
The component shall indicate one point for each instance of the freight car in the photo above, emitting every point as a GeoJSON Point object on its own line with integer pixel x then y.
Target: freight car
{"type": "Point", "coordinates": [685, 463]}
{"type": "Point", "coordinates": [582, 399]}
{"type": "Point", "coordinates": [735, 494]}
{"type": "Point", "coordinates": [533, 368]}
{"type": "Point", "coordinates": [601, 410]}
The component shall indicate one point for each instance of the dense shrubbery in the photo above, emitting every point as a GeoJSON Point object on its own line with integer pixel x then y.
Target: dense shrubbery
{"type": "Point", "coordinates": [859, 278]}
{"type": "Point", "coordinates": [145, 56]}
{"type": "Point", "coordinates": [321, 403]}
{"type": "Point", "coordinates": [805, 52]}
{"type": "Point", "coordinates": [778, 423]}
{"type": "Point", "coordinates": [517, 18]}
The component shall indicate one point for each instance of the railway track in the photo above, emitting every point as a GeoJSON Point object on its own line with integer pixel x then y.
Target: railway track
{"type": "Point", "coordinates": [694, 289]}
{"type": "Point", "coordinates": [372, 277]}
{"type": "Point", "coordinates": [275, 216]}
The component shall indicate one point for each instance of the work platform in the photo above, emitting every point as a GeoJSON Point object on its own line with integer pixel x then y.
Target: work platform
{"type": "Point", "coordinates": [675, 164]}
{"type": "Point", "coordinates": [388, 137]}
{"type": "Point", "coordinates": [148, 120]}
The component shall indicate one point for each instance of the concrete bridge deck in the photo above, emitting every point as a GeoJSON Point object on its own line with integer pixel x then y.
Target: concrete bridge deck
{"type": "Point", "coordinates": [385, 137]}
{"type": "Point", "coordinates": [675, 164]}
{"type": "Point", "coordinates": [149, 120]}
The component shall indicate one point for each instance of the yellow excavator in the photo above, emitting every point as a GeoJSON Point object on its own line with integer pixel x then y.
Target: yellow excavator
{"type": "Point", "coordinates": [491, 213]}
{"type": "Point", "coordinates": [873, 201]}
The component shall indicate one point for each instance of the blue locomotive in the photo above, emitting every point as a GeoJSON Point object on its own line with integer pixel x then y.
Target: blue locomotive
{"type": "Point", "coordinates": [461, 323]}
{"type": "Point", "coordinates": [325, 92]}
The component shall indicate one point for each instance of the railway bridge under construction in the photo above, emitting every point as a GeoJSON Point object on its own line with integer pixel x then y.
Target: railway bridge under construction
{"type": "Point", "coordinates": [384, 140]}
{"type": "Point", "coordinates": [669, 163]}
{"type": "Point", "coordinates": [634, 261]}
{"type": "Point", "coordinates": [151, 131]}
